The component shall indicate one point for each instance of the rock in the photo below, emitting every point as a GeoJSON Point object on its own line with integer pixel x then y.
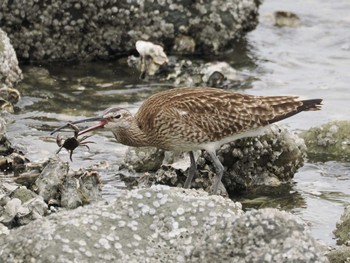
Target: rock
{"type": "Point", "coordinates": [266, 235]}
{"type": "Point", "coordinates": [5, 145]}
{"type": "Point", "coordinates": [217, 74]}
{"type": "Point", "coordinates": [143, 159]}
{"type": "Point", "coordinates": [152, 58]}
{"type": "Point", "coordinates": [23, 194]}
{"type": "Point", "coordinates": [342, 231]}
{"type": "Point", "coordinates": [184, 45]}
{"type": "Point", "coordinates": [19, 206]}
{"type": "Point", "coordinates": [286, 19]}
{"type": "Point", "coordinates": [50, 182]}
{"type": "Point", "coordinates": [76, 30]}
{"type": "Point", "coordinates": [163, 224]}
{"type": "Point", "coordinates": [67, 189]}
{"type": "Point", "coordinates": [339, 255]}
{"type": "Point", "coordinates": [266, 160]}
{"type": "Point", "coordinates": [228, 72]}
{"type": "Point", "coordinates": [10, 73]}
{"type": "Point", "coordinates": [11, 209]}
{"type": "Point", "coordinates": [330, 141]}
{"type": "Point", "coordinates": [80, 189]}
{"type": "Point", "coordinates": [3, 231]}
{"type": "Point", "coordinates": [10, 94]}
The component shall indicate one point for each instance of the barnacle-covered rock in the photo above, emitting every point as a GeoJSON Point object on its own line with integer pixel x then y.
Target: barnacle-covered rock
{"type": "Point", "coordinates": [10, 73]}
{"type": "Point", "coordinates": [163, 224]}
{"type": "Point", "coordinates": [57, 185]}
{"type": "Point", "coordinates": [71, 29]}
{"type": "Point", "coordinates": [330, 141]}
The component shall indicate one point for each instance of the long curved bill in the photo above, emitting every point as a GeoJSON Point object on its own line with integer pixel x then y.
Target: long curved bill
{"type": "Point", "coordinates": [102, 122]}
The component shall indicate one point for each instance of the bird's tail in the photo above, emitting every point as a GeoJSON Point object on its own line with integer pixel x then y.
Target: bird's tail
{"type": "Point", "coordinates": [310, 105]}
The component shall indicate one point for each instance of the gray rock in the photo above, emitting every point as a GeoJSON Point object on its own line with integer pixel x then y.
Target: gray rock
{"type": "Point", "coordinates": [57, 185]}
{"type": "Point", "coordinates": [3, 230]}
{"type": "Point", "coordinates": [330, 141]}
{"type": "Point", "coordinates": [10, 73]}
{"type": "Point", "coordinates": [163, 224]}
{"type": "Point", "coordinates": [33, 209]}
{"type": "Point", "coordinates": [19, 206]}
{"type": "Point", "coordinates": [11, 209]}
{"type": "Point", "coordinates": [342, 231]}
{"type": "Point", "coordinates": [70, 29]}
{"type": "Point", "coordinates": [50, 181]}
{"type": "Point", "coordinates": [266, 235]}
{"type": "Point", "coordinates": [143, 159]}
{"type": "Point", "coordinates": [23, 194]}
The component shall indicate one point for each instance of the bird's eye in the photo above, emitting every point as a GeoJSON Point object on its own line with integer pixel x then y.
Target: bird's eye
{"type": "Point", "coordinates": [117, 116]}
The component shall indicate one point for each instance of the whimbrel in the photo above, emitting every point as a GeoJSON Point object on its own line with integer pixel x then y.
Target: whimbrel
{"type": "Point", "coordinates": [188, 119]}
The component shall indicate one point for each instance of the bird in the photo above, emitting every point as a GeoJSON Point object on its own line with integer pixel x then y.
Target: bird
{"type": "Point", "coordinates": [200, 118]}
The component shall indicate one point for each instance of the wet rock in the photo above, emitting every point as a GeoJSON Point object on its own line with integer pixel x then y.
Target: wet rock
{"type": "Point", "coordinates": [49, 183]}
{"type": "Point", "coordinates": [10, 73]}
{"type": "Point", "coordinates": [70, 29]}
{"type": "Point", "coordinates": [339, 255]}
{"type": "Point", "coordinates": [268, 160]}
{"type": "Point", "coordinates": [184, 45]}
{"type": "Point", "coordinates": [212, 74]}
{"type": "Point", "coordinates": [330, 141]}
{"type": "Point", "coordinates": [163, 224]}
{"type": "Point", "coordinates": [342, 231]}
{"type": "Point", "coordinates": [286, 19]}
{"type": "Point", "coordinates": [58, 186]}
{"type": "Point", "coordinates": [6, 106]}
{"type": "Point", "coordinates": [5, 144]}
{"type": "Point", "coordinates": [10, 94]}
{"type": "Point", "coordinates": [143, 159]}
{"type": "Point", "coordinates": [221, 67]}
{"type": "Point", "coordinates": [152, 58]}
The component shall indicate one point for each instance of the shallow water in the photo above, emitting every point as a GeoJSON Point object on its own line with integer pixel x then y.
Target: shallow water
{"type": "Point", "coordinates": [310, 61]}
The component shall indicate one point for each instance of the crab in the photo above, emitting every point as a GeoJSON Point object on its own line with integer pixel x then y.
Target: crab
{"type": "Point", "coordinates": [73, 142]}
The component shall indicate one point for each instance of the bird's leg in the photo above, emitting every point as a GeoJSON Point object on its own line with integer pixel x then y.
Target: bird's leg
{"type": "Point", "coordinates": [191, 171]}
{"type": "Point", "coordinates": [219, 168]}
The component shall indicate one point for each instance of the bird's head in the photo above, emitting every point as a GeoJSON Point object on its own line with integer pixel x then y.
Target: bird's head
{"type": "Point", "coordinates": [112, 119]}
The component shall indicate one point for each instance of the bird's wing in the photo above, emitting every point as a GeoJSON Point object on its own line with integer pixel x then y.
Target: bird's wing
{"type": "Point", "coordinates": [207, 114]}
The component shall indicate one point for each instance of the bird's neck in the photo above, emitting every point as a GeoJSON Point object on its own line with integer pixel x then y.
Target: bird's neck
{"type": "Point", "coordinates": [131, 136]}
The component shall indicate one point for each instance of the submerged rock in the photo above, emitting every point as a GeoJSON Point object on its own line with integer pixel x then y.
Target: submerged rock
{"type": "Point", "coordinates": [330, 141]}
{"type": "Point", "coordinates": [286, 19]}
{"type": "Point", "coordinates": [163, 224]}
{"type": "Point", "coordinates": [70, 29]}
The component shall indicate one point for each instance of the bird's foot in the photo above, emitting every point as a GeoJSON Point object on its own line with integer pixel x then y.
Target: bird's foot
{"type": "Point", "coordinates": [218, 188]}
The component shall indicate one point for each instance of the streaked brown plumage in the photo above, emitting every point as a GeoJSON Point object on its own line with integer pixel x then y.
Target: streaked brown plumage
{"type": "Point", "coordinates": [187, 119]}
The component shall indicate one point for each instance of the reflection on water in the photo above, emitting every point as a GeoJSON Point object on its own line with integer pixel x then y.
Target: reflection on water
{"type": "Point", "coordinates": [311, 61]}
